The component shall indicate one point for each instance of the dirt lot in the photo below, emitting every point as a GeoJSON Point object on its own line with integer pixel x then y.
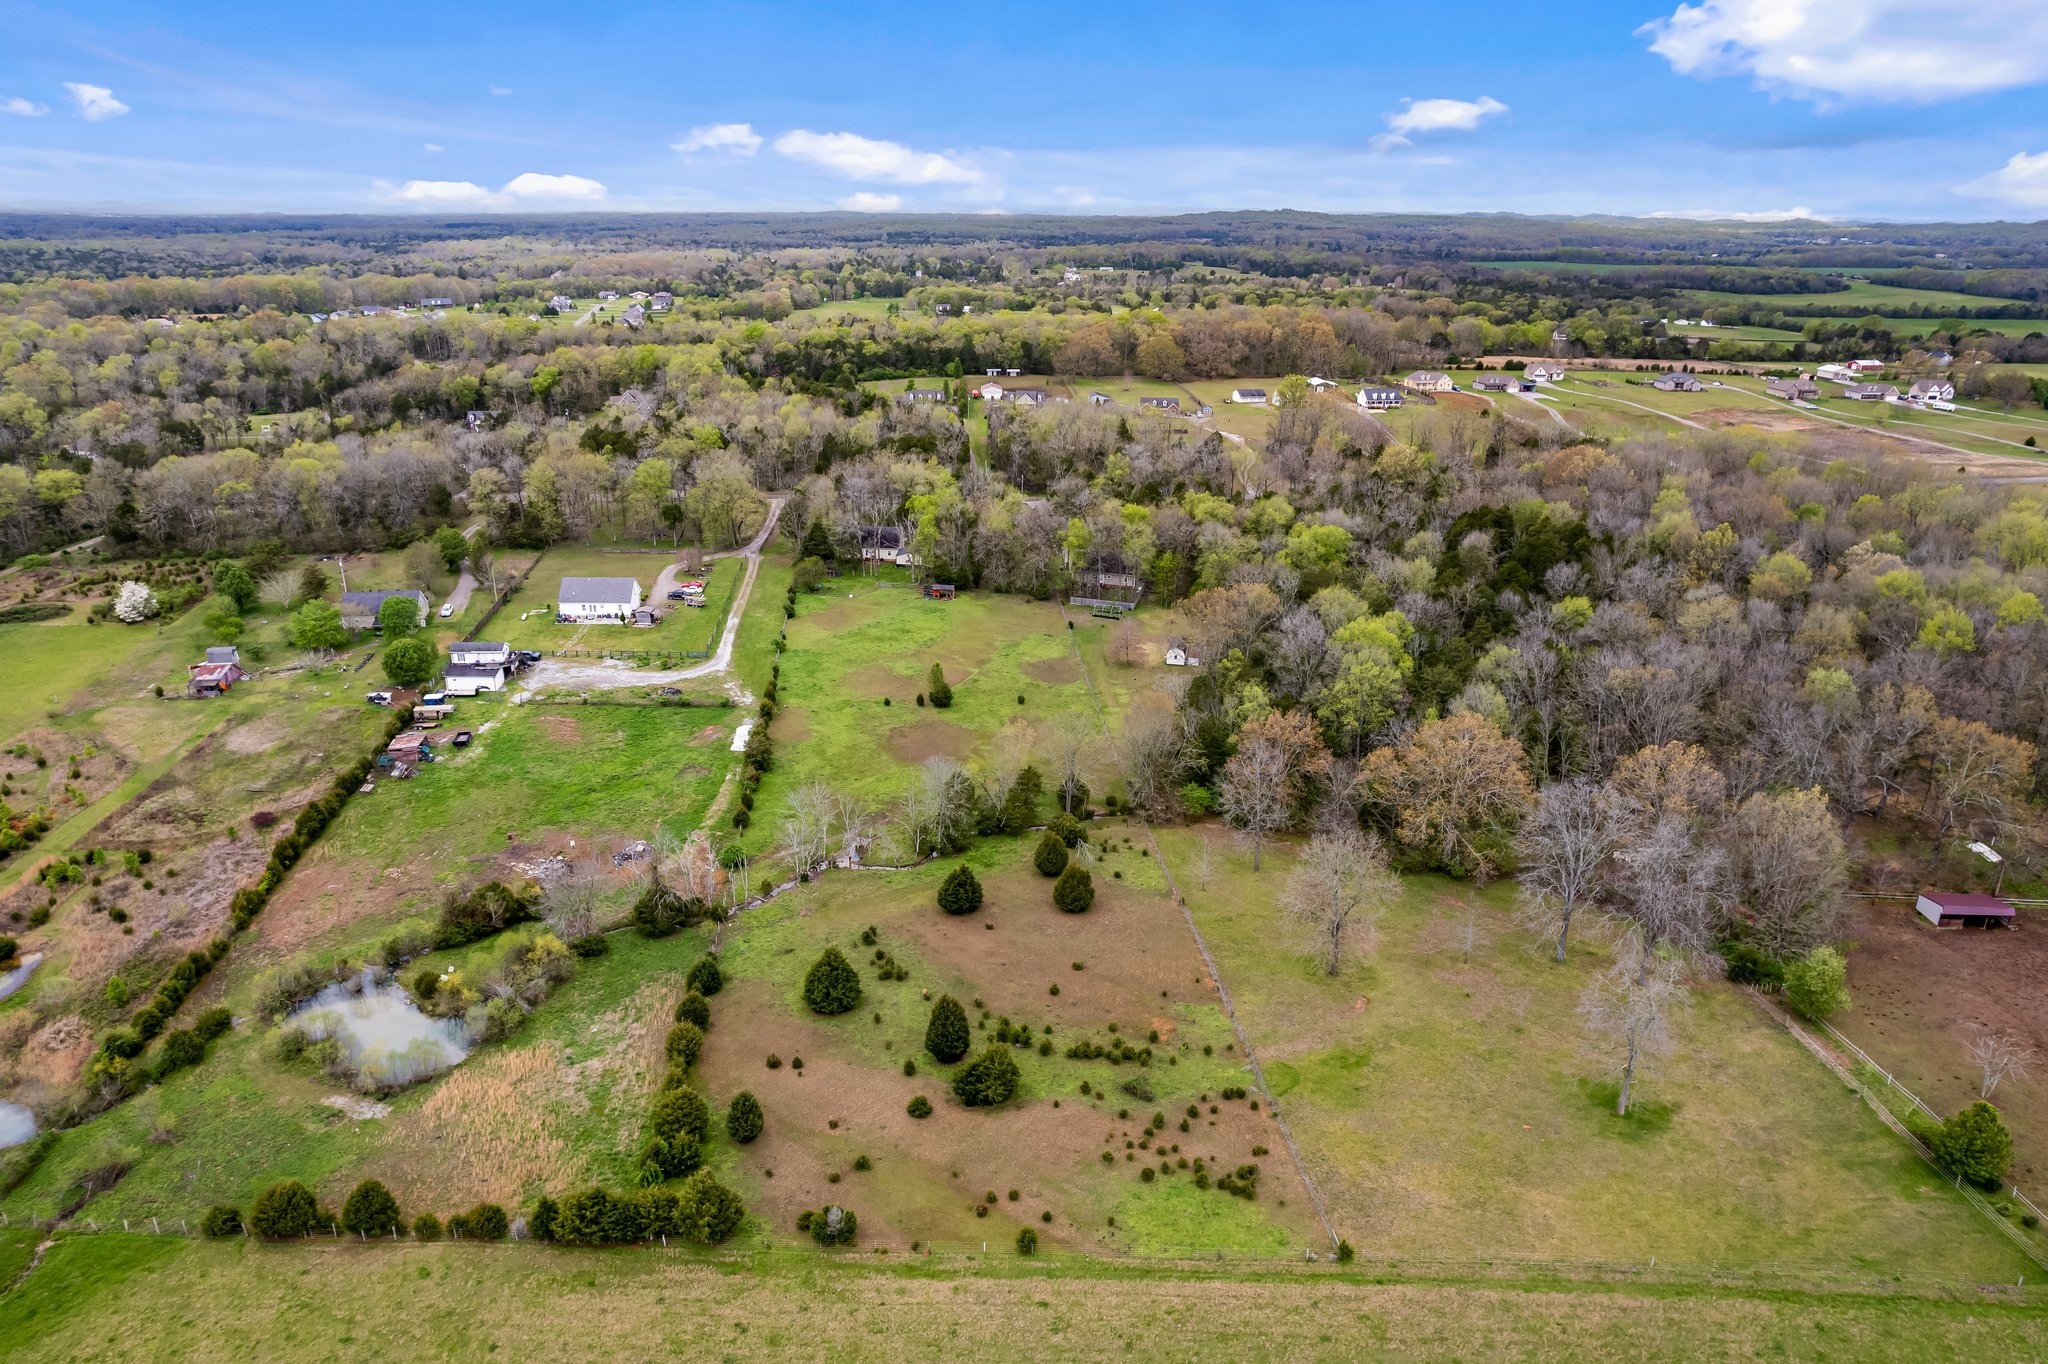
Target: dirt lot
{"type": "Point", "coordinates": [1920, 996]}
{"type": "Point", "coordinates": [914, 743]}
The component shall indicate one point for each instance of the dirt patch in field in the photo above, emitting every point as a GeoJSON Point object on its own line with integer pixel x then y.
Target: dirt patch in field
{"type": "Point", "coordinates": [324, 892]}
{"type": "Point", "coordinates": [256, 736]}
{"type": "Point", "coordinates": [841, 615]}
{"type": "Point", "coordinates": [792, 726]}
{"type": "Point", "coordinates": [1922, 995]}
{"type": "Point", "coordinates": [913, 743]}
{"type": "Point", "coordinates": [563, 729]}
{"type": "Point", "coordinates": [1762, 420]}
{"type": "Point", "coordinates": [1132, 947]}
{"type": "Point", "coordinates": [879, 679]}
{"type": "Point", "coordinates": [1054, 671]}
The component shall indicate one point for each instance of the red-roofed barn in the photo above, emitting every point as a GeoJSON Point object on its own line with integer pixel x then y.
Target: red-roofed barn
{"type": "Point", "coordinates": [1946, 909]}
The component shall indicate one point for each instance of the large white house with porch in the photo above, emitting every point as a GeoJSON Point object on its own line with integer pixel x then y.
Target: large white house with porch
{"type": "Point", "coordinates": [598, 600]}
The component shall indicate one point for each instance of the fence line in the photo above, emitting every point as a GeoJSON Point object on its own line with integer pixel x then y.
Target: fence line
{"type": "Point", "coordinates": [1244, 1041]}
{"type": "Point", "coordinates": [1977, 1200]}
{"type": "Point", "coordinates": [1916, 1101]}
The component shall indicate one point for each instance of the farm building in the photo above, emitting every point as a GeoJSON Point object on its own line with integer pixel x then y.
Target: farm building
{"type": "Point", "coordinates": [1837, 374]}
{"type": "Point", "coordinates": [1177, 655]}
{"type": "Point", "coordinates": [1676, 383]}
{"type": "Point", "coordinates": [940, 591]}
{"type": "Point", "coordinates": [481, 653]}
{"type": "Point", "coordinates": [612, 600]}
{"type": "Point", "coordinates": [467, 679]}
{"type": "Point", "coordinates": [359, 609]}
{"type": "Point", "coordinates": [1100, 400]}
{"type": "Point", "coordinates": [218, 674]}
{"type": "Point", "coordinates": [1946, 909]}
{"type": "Point", "coordinates": [1379, 399]}
{"type": "Point", "coordinates": [1318, 384]}
{"type": "Point", "coordinates": [1867, 366]}
{"type": "Point", "coordinates": [1255, 397]}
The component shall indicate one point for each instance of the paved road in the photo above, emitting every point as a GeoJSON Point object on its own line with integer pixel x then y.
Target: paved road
{"type": "Point", "coordinates": [464, 585]}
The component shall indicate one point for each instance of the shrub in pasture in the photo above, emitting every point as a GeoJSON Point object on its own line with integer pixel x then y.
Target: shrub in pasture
{"type": "Point", "coordinates": [831, 986]}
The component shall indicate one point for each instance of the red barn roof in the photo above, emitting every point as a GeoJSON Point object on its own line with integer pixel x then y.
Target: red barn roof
{"type": "Point", "coordinates": [1977, 906]}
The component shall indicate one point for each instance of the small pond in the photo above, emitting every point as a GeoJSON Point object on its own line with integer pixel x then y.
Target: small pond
{"type": "Point", "coordinates": [384, 1036]}
{"type": "Point", "coordinates": [17, 1125]}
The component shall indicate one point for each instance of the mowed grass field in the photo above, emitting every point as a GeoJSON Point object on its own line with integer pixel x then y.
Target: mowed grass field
{"type": "Point", "coordinates": [865, 640]}
{"type": "Point", "coordinates": [120, 1298]}
{"type": "Point", "coordinates": [682, 628]}
{"type": "Point", "coordinates": [1447, 1103]}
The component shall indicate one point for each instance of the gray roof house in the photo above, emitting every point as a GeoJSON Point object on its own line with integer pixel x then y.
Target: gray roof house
{"type": "Point", "coordinates": [1676, 383]}
{"type": "Point", "coordinates": [359, 609]}
{"type": "Point", "coordinates": [597, 599]}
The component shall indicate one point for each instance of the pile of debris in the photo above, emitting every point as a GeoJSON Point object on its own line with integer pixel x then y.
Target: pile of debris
{"type": "Point", "coordinates": [632, 852]}
{"type": "Point", "coordinates": [547, 870]}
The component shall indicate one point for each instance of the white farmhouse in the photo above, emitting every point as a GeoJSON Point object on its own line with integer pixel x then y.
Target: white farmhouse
{"type": "Point", "coordinates": [608, 600]}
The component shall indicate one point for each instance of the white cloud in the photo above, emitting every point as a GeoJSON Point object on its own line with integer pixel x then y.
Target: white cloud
{"type": "Point", "coordinates": [1074, 196]}
{"type": "Point", "coordinates": [866, 158]}
{"type": "Point", "coordinates": [867, 202]}
{"type": "Point", "coordinates": [22, 108]}
{"type": "Point", "coordinates": [1724, 215]}
{"type": "Point", "coordinates": [518, 191]}
{"type": "Point", "coordinates": [1915, 51]}
{"type": "Point", "coordinates": [740, 139]}
{"type": "Point", "coordinates": [95, 102]}
{"type": "Point", "coordinates": [1443, 115]}
{"type": "Point", "coordinates": [2022, 180]}
{"type": "Point", "coordinates": [501, 90]}
{"type": "Point", "coordinates": [433, 147]}
{"type": "Point", "coordinates": [536, 186]}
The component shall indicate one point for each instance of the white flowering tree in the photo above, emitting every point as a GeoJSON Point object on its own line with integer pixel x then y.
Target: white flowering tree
{"type": "Point", "coordinates": [135, 603]}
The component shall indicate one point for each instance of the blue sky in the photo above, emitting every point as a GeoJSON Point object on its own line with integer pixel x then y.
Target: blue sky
{"type": "Point", "coordinates": [1911, 109]}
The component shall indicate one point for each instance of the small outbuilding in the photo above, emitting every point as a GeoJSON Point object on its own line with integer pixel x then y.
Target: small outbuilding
{"type": "Point", "coordinates": [1947, 909]}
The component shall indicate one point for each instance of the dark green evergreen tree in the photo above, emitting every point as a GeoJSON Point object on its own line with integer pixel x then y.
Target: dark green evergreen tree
{"type": "Point", "coordinates": [947, 1036]}
{"type": "Point", "coordinates": [831, 986]}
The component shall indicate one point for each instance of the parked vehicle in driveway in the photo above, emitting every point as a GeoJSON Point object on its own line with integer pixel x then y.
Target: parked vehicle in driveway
{"type": "Point", "coordinates": [379, 698]}
{"type": "Point", "coordinates": [447, 609]}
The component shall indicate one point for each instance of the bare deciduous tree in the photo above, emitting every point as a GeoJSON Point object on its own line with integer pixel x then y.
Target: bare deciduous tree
{"type": "Point", "coordinates": [1788, 866]}
{"type": "Point", "coordinates": [1999, 1058]}
{"type": "Point", "coordinates": [1628, 1009]}
{"type": "Point", "coordinates": [1667, 891]}
{"type": "Point", "coordinates": [1279, 761]}
{"type": "Point", "coordinates": [1068, 738]}
{"type": "Point", "coordinates": [569, 902]}
{"type": "Point", "coordinates": [1338, 891]}
{"type": "Point", "coordinates": [1154, 749]}
{"type": "Point", "coordinates": [281, 588]}
{"type": "Point", "coordinates": [1563, 845]}
{"type": "Point", "coordinates": [1126, 644]}
{"type": "Point", "coordinates": [807, 826]}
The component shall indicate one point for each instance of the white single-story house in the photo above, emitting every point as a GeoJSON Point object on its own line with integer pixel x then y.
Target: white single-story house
{"type": "Point", "coordinates": [1923, 389]}
{"type": "Point", "coordinates": [1177, 655]}
{"type": "Point", "coordinates": [1100, 400]}
{"type": "Point", "coordinates": [612, 600]}
{"type": "Point", "coordinates": [1379, 399]}
{"type": "Point", "coordinates": [478, 653]}
{"type": "Point", "coordinates": [1256, 397]}
{"type": "Point", "coordinates": [1543, 373]}
{"type": "Point", "coordinates": [467, 679]}
{"type": "Point", "coordinates": [1317, 384]}
{"type": "Point", "coordinates": [359, 609]}
{"type": "Point", "coordinates": [1431, 381]}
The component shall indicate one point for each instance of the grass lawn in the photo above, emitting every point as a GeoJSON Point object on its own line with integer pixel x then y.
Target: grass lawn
{"type": "Point", "coordinates": [870, 309]}
{"type": "Point", "coordinates": [682, 628]}
{"type": "Point", "coordinates": [1738, 333]}
{"type": "Point", "coordinates": [1861, 293]}
{"type": "Point", "coordinates": [863, 640]}
{"type": "Point", "coordinates": [1447, 1103]}
{"type": "Point", "coordinates": [94, 1297]}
